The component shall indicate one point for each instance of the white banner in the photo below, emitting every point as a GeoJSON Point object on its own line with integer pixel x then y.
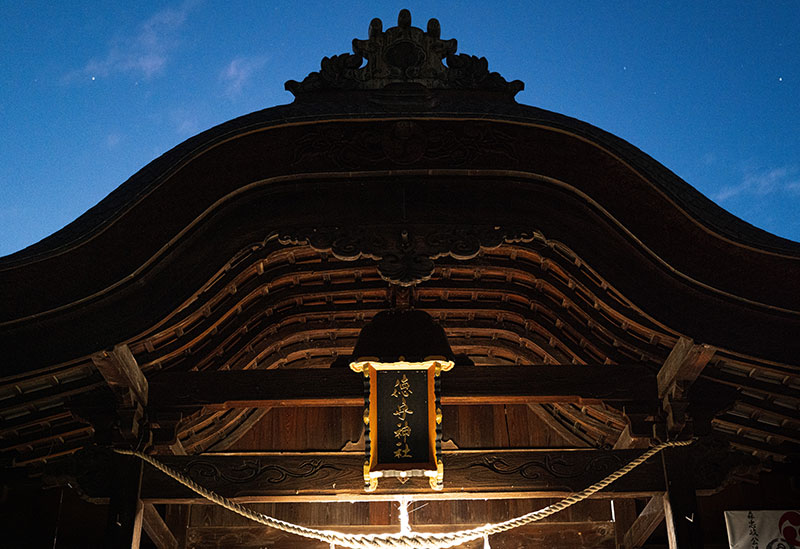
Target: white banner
{"type": "Point", "coordinates": [763, 529]}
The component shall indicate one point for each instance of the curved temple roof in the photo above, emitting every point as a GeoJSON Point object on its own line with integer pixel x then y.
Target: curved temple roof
{"type": "Point", "coordinates": [415, 179]}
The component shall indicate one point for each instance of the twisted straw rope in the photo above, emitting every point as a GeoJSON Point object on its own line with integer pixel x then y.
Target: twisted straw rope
{"type": "Point", "coordinates": [406, 540]}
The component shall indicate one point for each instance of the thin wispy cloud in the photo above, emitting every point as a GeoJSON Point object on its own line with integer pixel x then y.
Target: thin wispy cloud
{"type": "Point", "coordinates": [185, 121]}
{"type": "Point", "coordinates": [113, 140]}
{"type": "Point", "coordinates": [239, 72]}
{"type": "Point", "coordinates": [763, 182]}
{"type": "Point", "coordinates": [143, 53]}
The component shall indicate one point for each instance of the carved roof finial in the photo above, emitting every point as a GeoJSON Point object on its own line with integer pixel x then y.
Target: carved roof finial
{"type": "Point", "coordinates": [404, 19]}
{"type": "Point", "coordinates": [404, 54]}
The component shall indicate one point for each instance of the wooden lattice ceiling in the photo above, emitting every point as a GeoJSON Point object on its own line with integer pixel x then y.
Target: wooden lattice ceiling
{"type": "Point", "coordinates": [277, 306]}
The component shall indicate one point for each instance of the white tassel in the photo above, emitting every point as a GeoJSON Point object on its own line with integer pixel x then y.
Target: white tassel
{"type": "Point", "coordinates": [486, 542]}
{"type": "Point", "coordinates": [333, 546]}
{"type": "Point", "coordinates": [405, 525]}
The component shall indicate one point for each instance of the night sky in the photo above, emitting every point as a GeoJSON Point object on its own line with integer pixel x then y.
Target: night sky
{"type": "Point", "coordinates": [90, 92]}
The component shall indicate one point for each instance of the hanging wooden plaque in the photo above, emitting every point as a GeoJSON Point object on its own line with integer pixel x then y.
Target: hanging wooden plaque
{"type": "Point", "coordinates": [403, 420]}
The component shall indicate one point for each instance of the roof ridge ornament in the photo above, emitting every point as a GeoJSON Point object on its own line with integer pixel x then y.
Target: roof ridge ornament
{"type": "Point", "coordinates": [404, 55]}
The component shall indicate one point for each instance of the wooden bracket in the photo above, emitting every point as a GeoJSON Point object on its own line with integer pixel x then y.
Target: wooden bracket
{"type": "Point", "coordinates": [164, 425]}
{"type": "Point", "coordinates": [681, 368]}
{"type": "Point", "coordinates": [120, 370]}
{"type": "Point", "coordinates": [627, 439]}
{"type": "Point", "coordinates": [645, 524]}
{"type": "Point", "coordinates": [157, 529]}
{"type": "Point", "coordinates": [126, 380]}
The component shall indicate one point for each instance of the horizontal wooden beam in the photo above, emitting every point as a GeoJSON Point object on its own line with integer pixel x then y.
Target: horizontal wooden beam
{"type": "Point", "coordinates": [338, 476]}
{"type": "Point", "coordinates": [497, 474]}
{"type": "Point", "coordinates": [619, 386]}
{"type": "Point", "coordinates": [556, 535]}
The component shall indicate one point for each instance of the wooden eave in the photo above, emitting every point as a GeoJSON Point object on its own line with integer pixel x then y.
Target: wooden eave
{"type": "Point", "coordinates": [184, 264]}
{"type": "Point", "coordinates": [240, 182]}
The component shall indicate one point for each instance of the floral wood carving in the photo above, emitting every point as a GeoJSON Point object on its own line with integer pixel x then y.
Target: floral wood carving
{"type": "Point", "coordinates": [404, 54]}
{"type": "Point", "coordinates": [406, 143]}
{"type": "Point", "coordinates": [405, 255]}
{"type": "Point", "coordinates": [555, 467]}
{"type": "Point", "coordinates": [251, 470]}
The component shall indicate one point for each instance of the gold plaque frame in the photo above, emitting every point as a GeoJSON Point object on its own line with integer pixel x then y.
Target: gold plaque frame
{"type": "Point", "coordinates": [431, 467]}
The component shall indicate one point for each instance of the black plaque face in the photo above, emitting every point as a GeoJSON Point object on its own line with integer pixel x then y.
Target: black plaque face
{"type": "Point", "coordinates": [403, 436]}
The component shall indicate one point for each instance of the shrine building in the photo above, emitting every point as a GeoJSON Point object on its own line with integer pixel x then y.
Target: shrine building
{"type": "Point", "coordinates": [404, 304]}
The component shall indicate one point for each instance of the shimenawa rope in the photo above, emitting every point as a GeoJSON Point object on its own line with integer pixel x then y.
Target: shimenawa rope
{"type": "Point", "coordinates": [405, 540]}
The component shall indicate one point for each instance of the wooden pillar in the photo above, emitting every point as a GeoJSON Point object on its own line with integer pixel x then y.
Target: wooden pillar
{"type": "Point", "coordinates": [681, 515]}
{"type": "Point", "coordinates": [125, 509]}
{"type": "Point", "coordinates": [177, 519]}
{"type": "Point", "coordinates": [624, 518]}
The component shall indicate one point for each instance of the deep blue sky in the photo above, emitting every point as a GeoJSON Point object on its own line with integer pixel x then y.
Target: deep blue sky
{"type": "Point", "coordinates": [90, 92]}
